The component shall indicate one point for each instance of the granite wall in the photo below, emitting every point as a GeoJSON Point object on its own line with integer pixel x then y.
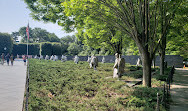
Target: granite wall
{"type": "Point", "coordinates": [175, 60]}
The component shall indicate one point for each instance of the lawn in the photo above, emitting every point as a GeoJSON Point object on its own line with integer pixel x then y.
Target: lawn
{"type": "Point", "coordinates": [57, 86]}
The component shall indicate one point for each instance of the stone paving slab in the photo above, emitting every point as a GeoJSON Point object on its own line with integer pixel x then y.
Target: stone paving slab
{"type": "Point", "coordinates": [12, 86]}
{"type": "Point", "coordinates": [179, 90]}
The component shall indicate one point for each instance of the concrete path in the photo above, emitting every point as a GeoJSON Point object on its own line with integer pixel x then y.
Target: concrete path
{"type": "Point", "coordinates": [179, 90]}
{"type": "Point", "coordinates": [12, 86]}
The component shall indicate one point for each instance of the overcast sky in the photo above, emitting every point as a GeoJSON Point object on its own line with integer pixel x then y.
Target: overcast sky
{"type": "Point", "coordinates": [14, 14]}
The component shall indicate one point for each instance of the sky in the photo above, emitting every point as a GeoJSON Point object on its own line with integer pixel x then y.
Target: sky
{"type": "Point", "coordinates": [14, 14]}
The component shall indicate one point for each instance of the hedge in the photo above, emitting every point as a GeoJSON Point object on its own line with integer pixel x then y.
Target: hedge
{"type": "Point", "coordinates": [5, 41]}
{"type": "Point", "coordinates": [56, 49]}
{"type": "Point", "coordinates": [45, 48]}
{"type": "Point", "coordinates": [21, 49]}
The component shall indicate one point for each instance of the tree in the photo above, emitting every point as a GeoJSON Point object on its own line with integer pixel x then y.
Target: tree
{"type": "Point", "coordinates": [99, 35]}
{"type": "Point", "coordinates": [177, 39]}
{"type": "Point", "coordinates": [74, 49]}
{"type": "Point", "coordinates": [166, 19]}
{"type": "Point", "coordinates": [15, 36]}
{"type": "Point", "coordinates": [6, 43]}
{"type": "Point", "coordinates": [22, 33]}
{"type": "Point", "coordinates": [66, 41]}
{"type": "Point", "coordinates": [137, 19]}
{"type": "Point", "coordinates": [37, 35]}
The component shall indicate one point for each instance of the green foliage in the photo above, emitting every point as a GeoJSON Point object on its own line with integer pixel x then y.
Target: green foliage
{"type": "Point", "coordinates": [177, 39]}
{"type": "Point", "coordinates": [77, 87]}
{"type": "Point", "coordinates": [46, 48]}
{"type": "Point", "coordinates": [6, 43]}
{"type": "Point", "coordinates": [74, 49]}
{"type": "Point", "coordinates": [65, 41]}
{"type": "Point", "coordinates": [56, 47]}
{"type": "Point", "coordinates": [50, 48]}
{"type": "Point", "coordinates": [143, 98]}
{"type": "Point", "coordinates": [21, 49]}
{"type": "Point", "coordinates": [14, 36]}
{"type": "Point", "coordinates": [36, 35]}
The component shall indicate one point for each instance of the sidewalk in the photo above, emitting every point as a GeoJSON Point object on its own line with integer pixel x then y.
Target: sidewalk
{"type": "Point", "coordinates": [12, 86]}
{"type": "Point", "coordinates": [179, 90]}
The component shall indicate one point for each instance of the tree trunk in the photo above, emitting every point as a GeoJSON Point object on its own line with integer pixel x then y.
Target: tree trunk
{"type": "Point", "coordinates": [146, 62]}
{"type": "Point", "coordinates": [154, 62]}
{"type": "Point", "coordinates": [162, 57]}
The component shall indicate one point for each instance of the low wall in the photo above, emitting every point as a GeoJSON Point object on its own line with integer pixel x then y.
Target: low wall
{"type": "Point", "coordinates": [175, 60]}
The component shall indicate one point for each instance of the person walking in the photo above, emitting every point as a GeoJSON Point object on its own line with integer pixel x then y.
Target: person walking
{"type": "Point", "coordinates": [7, 58]}
{"type": "Point", "coordinates": [2, 58]}
{"type": "Point", "coordinates": [24, 59]}
{"type": "Point", "coordinates": [12, 59]}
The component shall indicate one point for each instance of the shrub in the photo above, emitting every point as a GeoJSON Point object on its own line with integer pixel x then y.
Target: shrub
{"type": "Point", "coordinates": [56, 47]}
{"type": "Point", "coordinates": [46, 48]}
{"type": "Point", "coordinates": [21, 49]}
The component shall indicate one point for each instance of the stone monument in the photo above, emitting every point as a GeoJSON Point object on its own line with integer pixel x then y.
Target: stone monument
{"type": "Point", "coordinates": [36, 57]}
{"type": "Point", "coordinates": [139, 62]}
{"type": "Point", "coordinates": [63, 58]}
{"type": "Point", "coordinates": [76, 59]}
{"type": "Point", "coordinates": [41, 57]}
{"type": "Point", "coordinates": [118, 66]}
{"type": "Point", "coordinates": [103, 59]}
{"type": "Point", "coordinates": [47, 57]}
{"type": "Point", "coordinates": [55, 58]}
{"type": "Point", "coordinates": [89, 59]}
{"type": "Point", "coordinates": [52, 57]}
{"type": "Point", "coordinates": [94, 62]}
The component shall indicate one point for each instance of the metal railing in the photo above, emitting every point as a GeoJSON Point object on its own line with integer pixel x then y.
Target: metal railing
{"type": "Point", "coordinates": [25, 104]}
{"type": "Point", "coordinates": [166, 89]}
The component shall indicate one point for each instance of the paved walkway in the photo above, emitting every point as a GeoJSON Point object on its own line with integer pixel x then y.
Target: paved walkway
{"type": "Point", "coordinates": [179, 91]}
{"type": "Point", "coordinates": [12, 86]}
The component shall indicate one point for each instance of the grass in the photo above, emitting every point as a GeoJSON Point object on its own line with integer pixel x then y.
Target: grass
{"type": "Point", "coordinates": [57, 86]}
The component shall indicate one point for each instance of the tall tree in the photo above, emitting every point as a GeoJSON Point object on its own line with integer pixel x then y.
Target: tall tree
{"type": "Point", "coordinates": [6, 43]}
{"type": "Point", "coordinates": [166, 19]}
{"type": "Point", "coordinates": [15, 36]}
{"type": "Point", "coordinates": [37, 35]}
{"type": "Point", "coordinates": [177, 39]}
{"type": "Point", "coordinates": [137, 19]}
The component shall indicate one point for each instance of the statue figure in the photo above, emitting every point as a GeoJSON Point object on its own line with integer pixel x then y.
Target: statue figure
{"type": "Point", "coordinates": [76, 59]}
{"type": "Point", "coordinates": [89, 59]}
{"type": "Point", "coordinates": [63, 58]}
{"type": "Point", "coordinates": [103, 59]}
{"type": "Point", "coordinates": [138, 63]}
{"type": "Point", "coordinates": [36, 57]}
{"type": "Point", "coordinates": [55, 58]}
{"type": "Point", "coordinates": [118, 66]}
{"type": "Point", "coordinates": [47, 57]}
{"type": "Point", "coordinates": [94, 62]}
{"type": "Point", "coordinates": [52, 57]}
{"type": "Point", "coordinates": [41, 57]}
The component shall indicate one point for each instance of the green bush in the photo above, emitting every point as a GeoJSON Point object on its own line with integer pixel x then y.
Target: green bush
{"type": "Point", "coordinates": [77, 87]}
{"type": "Point", "coordinates": [5, 41]}
{"type": "Point", "coordinates": [50, 48]}
{"type": "Point", "coordinates": [46, 48]}
{"type": "Point", "coordinates": [56, 47]}
{"type": "Point", "coordinates": [21, 49]}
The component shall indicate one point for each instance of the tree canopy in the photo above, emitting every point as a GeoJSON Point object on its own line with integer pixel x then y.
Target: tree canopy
{"type": "Point", "coordinates": [6, 43]}
{"type": "Point", "coordinates": [141, 20]}
{"type": "Point", "coordinates": [37, 35]}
